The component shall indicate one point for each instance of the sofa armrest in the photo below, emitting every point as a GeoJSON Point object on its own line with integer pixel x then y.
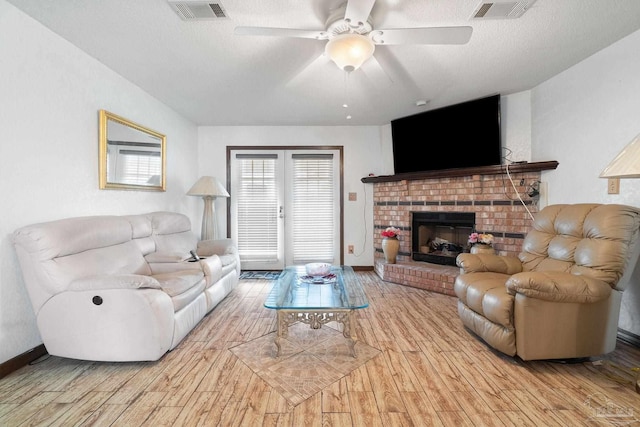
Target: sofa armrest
{"type": "Point", "coordinates": [477, 263]}
{"type": "Point", "coordinates": [558, 287]}
{"type": "Point", "coordinates": [216, 247]}
{"type": "Point", "coordinates": [114, 281]}
{"type": "Point", "coordinates": [212, 268]}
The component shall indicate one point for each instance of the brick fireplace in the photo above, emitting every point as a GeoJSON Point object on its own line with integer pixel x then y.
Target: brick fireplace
{"type": "Point", "coordinates": [486, 194]}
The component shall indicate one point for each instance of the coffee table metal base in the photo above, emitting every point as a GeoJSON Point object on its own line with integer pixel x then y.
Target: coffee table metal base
{"type": "Point", "coordinates": [315, 319]}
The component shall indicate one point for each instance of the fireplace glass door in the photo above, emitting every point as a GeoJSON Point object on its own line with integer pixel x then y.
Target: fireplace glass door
{"type": "Point", "coordinates": [438, 237]}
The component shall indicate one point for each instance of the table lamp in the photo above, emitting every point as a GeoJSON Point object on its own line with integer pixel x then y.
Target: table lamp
{"type": "Point", "coordinates": [626, 164]}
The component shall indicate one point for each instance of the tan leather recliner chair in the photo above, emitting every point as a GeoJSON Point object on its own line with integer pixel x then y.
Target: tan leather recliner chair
{"type": "Point", "coordinates": [560, 298]}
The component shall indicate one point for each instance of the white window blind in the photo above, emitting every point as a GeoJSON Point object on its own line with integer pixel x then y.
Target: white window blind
{"type": "Point", "coordinates": [313, 208]}
{"type": "Point", "coordinates": [257, 201]}
{"type": "Point", "coordinates": [139, 165]}
{"type": "Point", "coordinates": [136, 166]}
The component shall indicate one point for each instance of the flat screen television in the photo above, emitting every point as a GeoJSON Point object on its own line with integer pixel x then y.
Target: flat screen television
{"type": "Point", "coordinates": [457, 136]}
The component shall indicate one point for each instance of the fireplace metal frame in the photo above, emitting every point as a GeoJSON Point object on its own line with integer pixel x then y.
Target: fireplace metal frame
{"type": "Point", "coordinates": [452, 219]}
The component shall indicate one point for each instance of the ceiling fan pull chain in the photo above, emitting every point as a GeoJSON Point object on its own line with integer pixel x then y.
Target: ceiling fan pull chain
{"type": "Point", "coordinates": [347, 100]}
{"type": "Point", "coordinates": [346, 90]}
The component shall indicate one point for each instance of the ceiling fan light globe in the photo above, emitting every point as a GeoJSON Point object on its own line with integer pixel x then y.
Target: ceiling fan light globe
{"type": "Point", "coordinates": [349, 51]}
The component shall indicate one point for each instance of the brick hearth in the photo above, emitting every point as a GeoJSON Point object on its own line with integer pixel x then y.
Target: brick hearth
{"type": "Point", "coordinates": [417, 274]}
{"type": "Point", "coordinates": [491, 196]}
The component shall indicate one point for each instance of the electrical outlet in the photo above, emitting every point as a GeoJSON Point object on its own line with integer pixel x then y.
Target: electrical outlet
{"type": "Point", "coordinates": [613, 186]}
{"type": "Point", "coordinates": [350, 249]}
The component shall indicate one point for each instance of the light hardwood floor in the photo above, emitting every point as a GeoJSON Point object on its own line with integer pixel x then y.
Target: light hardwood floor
{"type": "Point", "coordinates": [431, 372]}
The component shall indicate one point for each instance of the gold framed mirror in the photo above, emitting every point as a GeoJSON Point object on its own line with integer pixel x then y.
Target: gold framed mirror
{"type": "Point", "coordinates": [132, 157]}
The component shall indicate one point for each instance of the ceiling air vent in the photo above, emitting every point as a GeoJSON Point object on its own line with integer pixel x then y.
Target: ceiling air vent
{"type": "Point", "coordinates": [501, 9]}
{"type": "Point", "coordinates": [198, 10]}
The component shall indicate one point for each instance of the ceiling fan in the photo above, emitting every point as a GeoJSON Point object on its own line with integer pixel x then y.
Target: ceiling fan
{"type": "Point", "coordinates": [351, 37]}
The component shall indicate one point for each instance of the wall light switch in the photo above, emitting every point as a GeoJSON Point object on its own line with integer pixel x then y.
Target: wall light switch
{"type": "Point", "coordinates": [353, 197]}
{"type": "Point", "coordinates": [613, 186]}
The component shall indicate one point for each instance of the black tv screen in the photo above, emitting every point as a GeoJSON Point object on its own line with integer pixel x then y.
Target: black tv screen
{"type": "Point", "coordinates": [457, 136]}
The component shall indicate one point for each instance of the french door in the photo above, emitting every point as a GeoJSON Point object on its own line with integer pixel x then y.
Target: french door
{"type": "Point", "coordinates": [285, 206]}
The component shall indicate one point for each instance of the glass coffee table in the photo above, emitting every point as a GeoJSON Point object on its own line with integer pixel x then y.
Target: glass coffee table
{"type": "Point", "coordinates": [316, 300]}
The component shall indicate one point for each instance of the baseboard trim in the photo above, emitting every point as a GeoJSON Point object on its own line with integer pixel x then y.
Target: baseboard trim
{"type": "Point", "coordinates": [629, 337]}
{"type": "Point", "coordinates": [21, 360]}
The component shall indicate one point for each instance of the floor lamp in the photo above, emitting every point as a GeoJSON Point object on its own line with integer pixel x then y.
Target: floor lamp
{"type": "Point", "coordinates": [208, 188]}
{"type": "Point", "coordinates": [626, 165]}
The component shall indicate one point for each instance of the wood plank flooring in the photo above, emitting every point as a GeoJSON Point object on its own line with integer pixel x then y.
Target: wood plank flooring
{"type": "Point", "coordinates": [432, 372]}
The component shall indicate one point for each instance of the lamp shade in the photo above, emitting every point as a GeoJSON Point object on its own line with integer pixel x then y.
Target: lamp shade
{"type": "Point", "coordinates": [349, 51]}
{"type": "Point", "coordinates": [208, 186]}
{"type": "Point", "coordinates": [626, 164]}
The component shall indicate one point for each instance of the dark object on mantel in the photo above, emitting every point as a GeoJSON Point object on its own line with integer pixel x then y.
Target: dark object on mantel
{"type": "Point", "coordinates": [480, 170]}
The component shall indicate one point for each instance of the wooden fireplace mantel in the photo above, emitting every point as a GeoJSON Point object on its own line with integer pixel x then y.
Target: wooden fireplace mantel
{"type": "Point", "coordinates": [481, 170]}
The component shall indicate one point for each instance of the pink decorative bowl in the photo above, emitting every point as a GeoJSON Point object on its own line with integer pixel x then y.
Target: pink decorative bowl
{"type": "Point", "coordinates": [318, 268]}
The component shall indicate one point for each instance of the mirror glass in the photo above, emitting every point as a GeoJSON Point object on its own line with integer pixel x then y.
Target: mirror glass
{"type": "Point", "coordinates": [132, 157]}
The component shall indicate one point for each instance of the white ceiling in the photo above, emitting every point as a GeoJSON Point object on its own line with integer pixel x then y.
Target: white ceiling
{"type": "Point", "coordinates": [213, 77]}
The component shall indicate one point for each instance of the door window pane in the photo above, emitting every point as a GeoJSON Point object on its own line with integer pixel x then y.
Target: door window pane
{"type": "Point", "coordinates": [257, 207]}
{"type": "Point", "coordinates": [313, 228]}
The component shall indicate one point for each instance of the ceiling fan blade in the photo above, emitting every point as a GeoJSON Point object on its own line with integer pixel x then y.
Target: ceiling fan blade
{"type": "Point", "coordinates": [375, 72]}
{"type": "Point", "coordinates": [281, 32]}
{"type": "Point", "coordinates": [429, 35]}
{"type": "Point", "coordinates": [358, 11]}
{"type": "Point", "coordinates": [309, 71]}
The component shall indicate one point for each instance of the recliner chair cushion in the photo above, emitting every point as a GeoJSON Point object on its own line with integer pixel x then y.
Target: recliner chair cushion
{"type": "Point", "coordinates": [485, 294]}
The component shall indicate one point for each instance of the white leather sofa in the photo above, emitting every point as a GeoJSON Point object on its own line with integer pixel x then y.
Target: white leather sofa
{"type": "Point", "coordinates": [121, 288]}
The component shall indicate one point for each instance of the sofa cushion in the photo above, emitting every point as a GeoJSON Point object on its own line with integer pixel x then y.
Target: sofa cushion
{"type": "Point", "coordinates": [114, 281]}
{"type": "Point", "coordinates": [172, 233]}
{"type": "Point", "coordinates": [182, 286]}
{"type": "Point", "coordinates": [140, 225]}
{"type": "Point", "coordinates": [169, 222]}
{"type": "Point", "coordinates": [166, 257]}
{"type": "Point", "coordinates": [117, 259]}
{"type": "Point", "coordinates": [72, 235]}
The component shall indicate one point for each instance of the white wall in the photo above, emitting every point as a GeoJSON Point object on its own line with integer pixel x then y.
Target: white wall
{"type": "Point", "coordinates": [515, 121]}
{"type": "Point", "coordinates": [582, 118]}
{"type": "Point", "coordinates": [364, 153]}
{"type": "Point", "coordinates": [49, 102]}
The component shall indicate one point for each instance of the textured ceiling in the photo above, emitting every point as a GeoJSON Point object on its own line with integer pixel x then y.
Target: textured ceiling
{"type": "Point", "coordinates": [213, 77]}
